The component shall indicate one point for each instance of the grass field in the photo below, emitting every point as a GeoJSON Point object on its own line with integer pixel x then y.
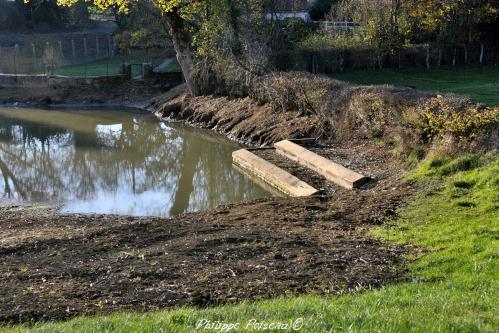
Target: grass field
{"type": "Point", "coordinates": [454, 278]}
{"type": "Point", "coordinates": [479, 82]}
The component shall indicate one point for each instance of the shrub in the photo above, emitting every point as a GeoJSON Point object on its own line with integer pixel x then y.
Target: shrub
{"type": "Point", "coordinates": [463, 123]}
{"type": "Point", "coordinates": [409, 120]}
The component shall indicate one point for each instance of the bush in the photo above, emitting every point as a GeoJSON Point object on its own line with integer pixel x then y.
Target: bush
{"type": "Point", "coordinates": [409, 120]}
{"type": "Point", "coordinates": [442, 117]}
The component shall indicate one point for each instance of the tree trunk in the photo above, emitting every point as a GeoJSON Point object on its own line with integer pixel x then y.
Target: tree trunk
{"type": "Point", "coordinates": [182, 44]}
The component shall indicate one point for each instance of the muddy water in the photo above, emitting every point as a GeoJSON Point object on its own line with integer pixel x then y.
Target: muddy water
{"type": "Point", "coordinates": [122, 162]}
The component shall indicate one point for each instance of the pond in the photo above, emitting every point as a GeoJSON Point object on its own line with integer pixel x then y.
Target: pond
{"type": "Point", "coordinates": [115, 161]}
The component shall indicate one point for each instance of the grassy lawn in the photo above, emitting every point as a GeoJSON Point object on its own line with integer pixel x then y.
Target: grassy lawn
{"type": "Point", "coordinates": [479, 82]}
{"type": "Point", "coordinates": [454, 274]}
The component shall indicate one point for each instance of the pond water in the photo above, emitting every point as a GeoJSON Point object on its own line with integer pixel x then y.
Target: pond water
{"type": "Point", "coordinates": [120, 162]}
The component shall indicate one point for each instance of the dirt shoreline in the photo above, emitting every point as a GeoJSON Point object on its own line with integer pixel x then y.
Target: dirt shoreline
{"type": "Point", "coordinates": [55, 266]}
{"type": "Point", "coordinates": [134, 93]}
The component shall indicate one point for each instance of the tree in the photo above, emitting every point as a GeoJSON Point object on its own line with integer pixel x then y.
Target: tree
{"type": "Point", "coordinates": [320, 8]}
{"type": "Point", "coordinates": [450, 22]}
{"type": "Point", "coordinates": [380, 21]}
{"type": "Point", "coordinates": [214, 29]}
{"type": "Point", "coordinates": [178, 14]}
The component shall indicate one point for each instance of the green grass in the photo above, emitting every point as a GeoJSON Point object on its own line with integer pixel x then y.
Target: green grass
{"type": "Point", "coordinates": [479, 82]}
{"type": "Point", "coordinates": [453, 227]}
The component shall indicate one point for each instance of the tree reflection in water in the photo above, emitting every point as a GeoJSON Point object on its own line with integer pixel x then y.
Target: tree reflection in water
{"type": "Point", "coordinates": [115, 162]}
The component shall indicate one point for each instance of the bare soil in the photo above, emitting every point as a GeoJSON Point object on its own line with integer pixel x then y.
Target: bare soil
{"type": "Point", "coordinates": [55, 266]}
{"type": "Point", "coordinates": [239, 119]}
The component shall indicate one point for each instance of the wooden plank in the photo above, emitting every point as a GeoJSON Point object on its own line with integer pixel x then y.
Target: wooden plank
{"type": "Point", "coordinates": [259, 181]}
{"type": "Point", "coordinates": [332, 171]}
{"type": "Point", "coordinates": [271, 174]}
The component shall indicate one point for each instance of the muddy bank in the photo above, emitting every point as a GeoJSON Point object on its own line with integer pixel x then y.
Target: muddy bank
{"type": "Point", "coordinates": [299, 105]}
{"type": "Point", "coordinates": [56, 266]}
{"type": "Point", "coordinates": [136, 93]}
{"type": "Point", "coordinates": [241, 120]}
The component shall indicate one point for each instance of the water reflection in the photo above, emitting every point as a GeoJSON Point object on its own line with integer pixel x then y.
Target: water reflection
{"type": "Point", "coordinates": [115, 162]}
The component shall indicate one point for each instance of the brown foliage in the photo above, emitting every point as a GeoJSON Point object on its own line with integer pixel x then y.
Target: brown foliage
{"type": "Point", "coordinates": [404, 117]}
{"type": "Point", "coordinates": [296, 105]}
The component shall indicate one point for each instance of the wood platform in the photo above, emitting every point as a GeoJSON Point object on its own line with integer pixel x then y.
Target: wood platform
{"type": "Point", "coordinates": [332, 171]}
{"type": "Point", "coordinates": [271, 174]}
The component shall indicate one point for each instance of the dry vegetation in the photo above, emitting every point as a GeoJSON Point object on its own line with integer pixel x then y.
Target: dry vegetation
{"type": "Point", "coordinates": [296, 104]}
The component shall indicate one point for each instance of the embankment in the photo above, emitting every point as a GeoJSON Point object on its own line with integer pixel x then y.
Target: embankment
{"type": "Point", "coordinates": [300, 105]}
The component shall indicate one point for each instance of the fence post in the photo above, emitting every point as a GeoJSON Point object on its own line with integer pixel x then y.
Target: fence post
{"type": "Point", "coordinates": [61, 53]}
{"type": "Point", "coordinates": [16, 60]}
{"type": "Point", "coordinates": [48, 55]}
{"type": "Point", "coordinates": [73, 50]}
{"type": "Point", "coordinates": [33, 50]}
{"type": "Point", "coordinates": [481, 52]}
{"type": "Point", "coordinates": [428, 57]}
{"type": "Point", "coordinates": [147, 72]}
{"type": "Point", "coordinates": [85, 50]}
{"type": "Point", "coordinates": [97, 50]}
{"type": "Point", "coordinates": [110, 46]}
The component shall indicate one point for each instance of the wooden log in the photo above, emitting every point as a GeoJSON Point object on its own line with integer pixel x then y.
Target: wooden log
{"type": "Point", "coordinates": [331, 171]}
{"type": "Point", "coordinates": [271, 174]}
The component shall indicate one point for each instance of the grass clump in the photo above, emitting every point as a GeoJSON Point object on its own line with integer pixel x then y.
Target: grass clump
{"type": "Point", "coordinates": [452, 285]}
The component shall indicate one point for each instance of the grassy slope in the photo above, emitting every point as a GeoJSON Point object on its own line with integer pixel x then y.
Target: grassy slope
{"type": "Point", "coordinates": [454, 283]}
{"type": "Point", "coordinates": [479, 82]}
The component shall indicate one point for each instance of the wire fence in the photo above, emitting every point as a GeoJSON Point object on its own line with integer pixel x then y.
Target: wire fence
{"type": "Point", "coordinates": [339, 25]}
{"type": "Point", "coordinates": [81, 55]}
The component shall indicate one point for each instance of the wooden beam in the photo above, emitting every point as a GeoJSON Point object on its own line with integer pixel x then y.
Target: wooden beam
{"type": "Point", "coordinates": [332, 171]}
{"type": "Point", "coordinates": [271, 174]}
